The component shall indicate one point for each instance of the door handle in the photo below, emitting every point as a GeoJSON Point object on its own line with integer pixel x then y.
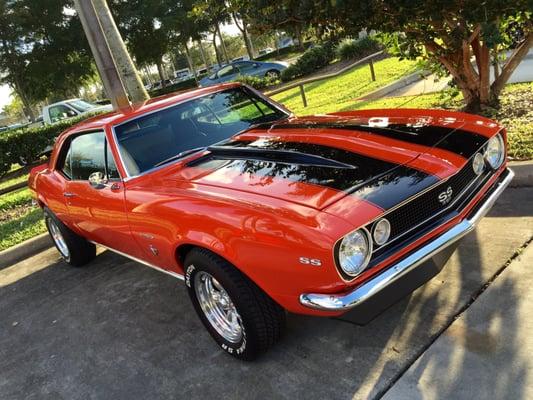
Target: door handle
{"type": "Point", "coordinates": [69, 194]}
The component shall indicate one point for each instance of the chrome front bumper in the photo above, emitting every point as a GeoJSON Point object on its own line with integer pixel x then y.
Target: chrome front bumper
{"type": "Point", "coordinates": [347, 301]}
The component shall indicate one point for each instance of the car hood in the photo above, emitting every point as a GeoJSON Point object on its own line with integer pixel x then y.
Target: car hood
{"type": "Point", "coordinates": [317, 161]}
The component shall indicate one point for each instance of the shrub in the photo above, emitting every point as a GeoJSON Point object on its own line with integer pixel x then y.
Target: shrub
{"type": "Point", "coordinates": [313, 59]}
{"type": "Point", "coordinates": [257, 82]}
{"type": "Point", "coordinates": [27, 144]}
{"type": "Point", "coordinates": [350, 49]}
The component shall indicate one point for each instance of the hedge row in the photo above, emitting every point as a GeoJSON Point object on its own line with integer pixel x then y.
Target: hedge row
{"type": "Point", "coordinates": [320, 56]}
{"type": "Point", "coordinates": [25, 145]}
{"type": "Point", "coordinates": [314, 58]}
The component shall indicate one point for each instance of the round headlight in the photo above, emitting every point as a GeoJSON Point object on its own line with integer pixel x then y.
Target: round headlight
{"type": "Point", "coordinates": [495, 152]}
{"type": "Point", "coordinates": [354, 252]}
{"type": "Point", "coordinates": [381, 231]}
{"type": "Point", "coordinates": [478, 164]}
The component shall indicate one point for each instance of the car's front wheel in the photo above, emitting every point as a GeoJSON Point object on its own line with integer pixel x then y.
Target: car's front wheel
{"type": "Point", "coordinates": [74, 249]}
{"type": "Point", "coordinates": [242, 319]}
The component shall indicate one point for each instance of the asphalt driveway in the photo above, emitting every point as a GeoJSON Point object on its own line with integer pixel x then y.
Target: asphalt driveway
{"type": "Point", "coordinates": [119, 330]}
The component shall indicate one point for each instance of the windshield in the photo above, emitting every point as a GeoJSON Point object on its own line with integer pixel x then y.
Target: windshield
{"type": "Point", "coordinates": [81, 105]}
{"type": "Point", "coordinates": [152, 139]}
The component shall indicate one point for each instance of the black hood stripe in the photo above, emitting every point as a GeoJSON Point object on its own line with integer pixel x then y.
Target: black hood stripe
{"type": "Point", "coordinates": [380, 182]}
{"type": "Point", "coordinates": [457, 141]}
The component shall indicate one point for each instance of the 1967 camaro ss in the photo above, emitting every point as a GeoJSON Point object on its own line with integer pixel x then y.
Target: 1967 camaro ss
{"type": "Point", "coordinates": [261, 212]}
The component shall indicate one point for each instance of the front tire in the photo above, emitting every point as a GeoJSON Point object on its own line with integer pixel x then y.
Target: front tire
{"type": "Point", "coordinates": [74, 249]}
{"type": "Point", "coordinates": [242, 319]}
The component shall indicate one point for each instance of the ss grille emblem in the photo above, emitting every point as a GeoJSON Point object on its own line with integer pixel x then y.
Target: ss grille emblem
{"type": "Point", "coordinates": [446, 196]}
{"type": "Point", "coordinates": [311, 261]}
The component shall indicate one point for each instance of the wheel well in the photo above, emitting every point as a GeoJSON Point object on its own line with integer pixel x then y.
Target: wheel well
{"type": "Point", "coordinates": [182, 251]}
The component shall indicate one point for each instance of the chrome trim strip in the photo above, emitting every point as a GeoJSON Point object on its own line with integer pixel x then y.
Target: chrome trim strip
{"type": "Point", "coordinates": [173, 274]}
{"type": "Point", "coordinates": [344, 302]}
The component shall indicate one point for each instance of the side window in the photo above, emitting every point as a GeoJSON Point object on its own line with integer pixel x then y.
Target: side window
{"type": "Point", "coordinates": [87, 154]}
{"type": "Point", "coordinates": [227, 70]}
{"type": "Point", "coordinates": [112, 170]}
{"type": "Point", "coordinates": [59, 112]}
{"type": "Point", "coordinates": [66, 169]}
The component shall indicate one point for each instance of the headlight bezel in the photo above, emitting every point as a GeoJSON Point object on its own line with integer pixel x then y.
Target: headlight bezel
{"type": "Point", "coordinates": [336, 250]}
{"type": "Point", "coordinates": [374, 228]}
{"type": "Point", "coordinates": [502, 153]}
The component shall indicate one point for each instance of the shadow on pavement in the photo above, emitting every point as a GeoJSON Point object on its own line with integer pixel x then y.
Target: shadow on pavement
{"type": "Point", "coordinates": [120, 330]}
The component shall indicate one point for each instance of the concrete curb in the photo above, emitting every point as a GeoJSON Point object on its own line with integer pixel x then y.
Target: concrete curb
{"type": "Point", "coordinates": [391, 87]}
{"type": "Point", "coordinates": [523, 173]}
{"type": "Point", "coordinates": [24, 250]}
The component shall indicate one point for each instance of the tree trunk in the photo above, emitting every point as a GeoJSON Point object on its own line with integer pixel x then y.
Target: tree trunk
{"type": "Point", "coordinates": [217, 54]}
{"type": "Point", "coordinates": [25, 102]}
{"type": "Point", "coordinates": [514, 60]}
{"type": "Point", "coordinates": [223, 45]}
{"type": "Point", "coordinates": [128, 73]}
{"type": "Point", "coordinates": [191, 64]}
{"type": "Point", "coordinates": [299, 36]}
{"type": "Point", "coordinates": [245, 35]}
{"type": "Point", "coordinates": [161, 72]}
{"type": "Point", "coordinates": [202, 52]}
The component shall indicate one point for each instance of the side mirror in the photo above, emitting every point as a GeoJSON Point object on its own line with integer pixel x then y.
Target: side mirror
{"type": "Point", "coordinates": [98, 180]}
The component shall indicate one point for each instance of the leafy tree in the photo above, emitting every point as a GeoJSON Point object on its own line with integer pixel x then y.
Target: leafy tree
{"type": "Point", "coordinates": [289, 15]}
{"type": "Point", "coordinates": [43, 52]}
{"type": "Point", "coordinates": [448, 32]}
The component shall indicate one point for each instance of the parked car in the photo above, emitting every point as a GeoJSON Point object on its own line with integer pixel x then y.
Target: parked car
{"type": "Point", "coordinates": [261, 212]}
{"type": "Point", "coordinates": [266, 50]}
{"type": "Point", "coordinates": [70, 108]}
{"type": "Point", "coordinates": [231, 71]}
{"type": "Point", "coordinates": [241, 58]}
{"type": "Point", "coordinates": [183, 75]}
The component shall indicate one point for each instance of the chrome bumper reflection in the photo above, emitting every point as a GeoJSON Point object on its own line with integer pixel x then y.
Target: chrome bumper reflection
{"type": "Point", "coordinates": [344, 302]}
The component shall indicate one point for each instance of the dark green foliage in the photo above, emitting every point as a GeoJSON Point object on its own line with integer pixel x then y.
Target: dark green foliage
{"type": "Point", "coordinates": [313, 59]}
{"type": "Point", "coordinates": [350, 49]}
{"type": "Point", "coordinates": [257, 82]}
{"type": "Point", "coordinates": [28, 144]}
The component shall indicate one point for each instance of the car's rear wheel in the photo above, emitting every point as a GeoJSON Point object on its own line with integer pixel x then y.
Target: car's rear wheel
{"type": "Point", "coordinates": [273, 74]}
{"type": "Point", "coordinates": [74, 249]}
{"type": "Point", "coordinates": [242, 319]}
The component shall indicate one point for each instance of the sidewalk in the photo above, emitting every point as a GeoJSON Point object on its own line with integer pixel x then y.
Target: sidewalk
{"type": "Point", "coordinates": [487, 352]}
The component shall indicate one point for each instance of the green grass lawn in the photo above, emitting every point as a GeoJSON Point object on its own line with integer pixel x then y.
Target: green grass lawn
{"type": "Point", "coordinates": [13, 181]}
{"type": "Point", "coordinates": [19, 221]}
{"type": "Point", "coordinates": [343, 91]}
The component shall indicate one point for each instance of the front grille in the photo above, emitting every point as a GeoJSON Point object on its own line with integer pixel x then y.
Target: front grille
{"type": "Point", "coordinates": [426, 207]}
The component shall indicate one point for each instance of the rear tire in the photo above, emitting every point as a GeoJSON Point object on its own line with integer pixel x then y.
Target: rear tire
{"type": "Point", "coordinates": [74, 249]}
{"type": "Point", "coordinates": [242, 319]}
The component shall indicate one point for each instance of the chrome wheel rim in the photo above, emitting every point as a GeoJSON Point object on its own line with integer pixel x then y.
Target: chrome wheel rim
{"type": "Point", "coordinates": [218, 307]}
{"type": "Point", "coordinates": [58, 238]}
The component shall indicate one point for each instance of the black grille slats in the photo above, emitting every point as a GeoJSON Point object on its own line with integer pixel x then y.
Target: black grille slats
{"type": "Point", "coordinates": [426, 207]}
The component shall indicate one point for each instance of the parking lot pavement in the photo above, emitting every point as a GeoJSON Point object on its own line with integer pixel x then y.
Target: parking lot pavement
{"type": "Point", "coordinates": [491, 342]}
{"type": "Point", "coordinates": [118, 330]}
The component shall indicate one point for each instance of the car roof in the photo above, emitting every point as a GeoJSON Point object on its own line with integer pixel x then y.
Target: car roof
{"type": "Point", "coordinates": [116, 117]}
{"type": "Point", "coordinates": [61, 102]}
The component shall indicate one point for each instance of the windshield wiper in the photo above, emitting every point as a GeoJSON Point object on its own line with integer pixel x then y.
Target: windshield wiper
{"type": "Point", "coordinates": [180, 155]}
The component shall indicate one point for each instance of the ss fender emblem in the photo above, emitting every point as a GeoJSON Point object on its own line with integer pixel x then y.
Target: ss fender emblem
{"type": "Point", "coordinates": [445, 197]}
{"type": "Point", "coordinates": [310, 261]}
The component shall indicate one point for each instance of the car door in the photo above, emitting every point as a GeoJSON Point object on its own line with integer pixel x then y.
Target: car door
{"type": "Point", "coordinates": [97, 211]}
